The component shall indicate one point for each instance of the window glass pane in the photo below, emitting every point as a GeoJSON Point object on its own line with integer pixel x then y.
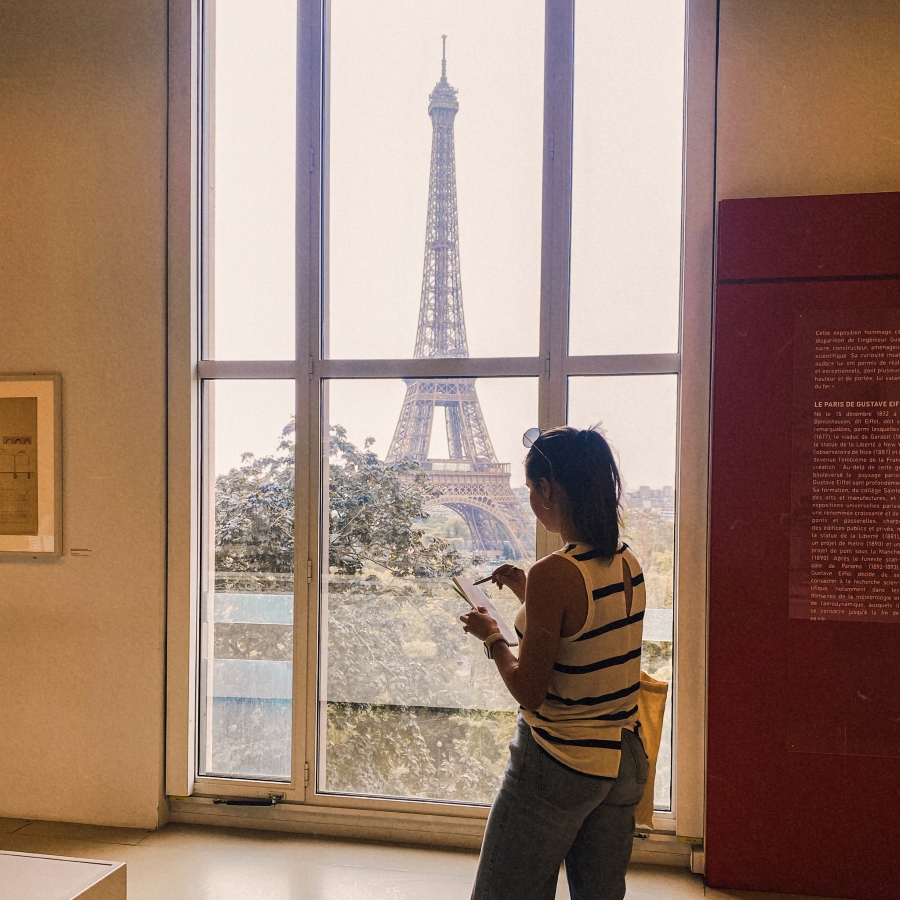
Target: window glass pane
{"type": "Point", "coordinates": [251, 158]}
{"type": "Point", "coordinates": [422, 192]}
{"type": "Point", "coordinates": [248, 582]}
{"type": "Point", "coordinates": [409, 704]}
{"type": "Point", "coordinates": [626, 179]}
{"type": "Point", "coordinates": [637, 413]}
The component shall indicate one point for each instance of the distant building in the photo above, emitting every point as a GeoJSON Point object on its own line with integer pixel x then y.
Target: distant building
{"type": "Point", "coordinates": [661, 500]}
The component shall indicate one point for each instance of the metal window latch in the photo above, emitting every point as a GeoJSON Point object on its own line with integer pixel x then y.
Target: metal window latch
{"type": "Point", "coordinates": [305, 774]}
{"type": "Point", "coordinates": [271, 800]}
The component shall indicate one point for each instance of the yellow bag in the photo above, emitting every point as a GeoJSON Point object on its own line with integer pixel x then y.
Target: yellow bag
{"type": "Point", "coordinates": [651, 709]}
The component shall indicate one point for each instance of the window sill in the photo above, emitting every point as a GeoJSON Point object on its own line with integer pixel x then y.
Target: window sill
{"type": "Point", "coordinates": [386, 826]}
{"type": "Point", "coordinates": [403, 827]}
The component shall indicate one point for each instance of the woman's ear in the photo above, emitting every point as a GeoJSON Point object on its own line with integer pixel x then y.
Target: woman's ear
{"type": "Point", "coordinates": [545, 489]}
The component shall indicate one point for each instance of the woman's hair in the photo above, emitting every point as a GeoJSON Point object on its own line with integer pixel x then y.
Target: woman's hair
{"type": "Point", "coordinates": [582, 463]}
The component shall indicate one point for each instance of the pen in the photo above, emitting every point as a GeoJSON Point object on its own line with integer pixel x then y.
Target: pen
{"type": "Point", "coordinates": [489, 577]}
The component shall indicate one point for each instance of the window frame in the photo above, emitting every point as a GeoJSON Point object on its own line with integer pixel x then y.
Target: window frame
{"type": "Point", "coordinates": [553, 366]}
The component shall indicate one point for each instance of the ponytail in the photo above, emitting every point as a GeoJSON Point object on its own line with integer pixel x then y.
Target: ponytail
{"type": "Point", "coordinates": [583, 465]}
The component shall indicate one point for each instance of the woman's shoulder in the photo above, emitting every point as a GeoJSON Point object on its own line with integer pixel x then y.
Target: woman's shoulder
{"type": "Point", "coordinates": [557, 568]}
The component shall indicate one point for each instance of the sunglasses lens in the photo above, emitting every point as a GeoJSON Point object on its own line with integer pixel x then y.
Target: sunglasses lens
{"type": "Point", "coordinates": [531, 436]}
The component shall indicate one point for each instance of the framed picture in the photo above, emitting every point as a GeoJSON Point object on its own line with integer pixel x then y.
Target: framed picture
{"type": "Point", "coordinates": [30, 465]}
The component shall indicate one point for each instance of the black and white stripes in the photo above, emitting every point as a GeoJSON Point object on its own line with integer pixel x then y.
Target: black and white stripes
{"type": "Point", "coordinates": [596, 677]}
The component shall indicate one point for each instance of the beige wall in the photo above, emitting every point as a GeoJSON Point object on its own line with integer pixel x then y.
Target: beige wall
{"type": "Point", "coordinates": [809, 97]}
{"type": "Point", "coordinates": [82, 293]}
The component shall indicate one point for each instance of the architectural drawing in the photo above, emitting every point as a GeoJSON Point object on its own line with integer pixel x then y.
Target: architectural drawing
{"type": "Point", "coordinates": [18, 466]}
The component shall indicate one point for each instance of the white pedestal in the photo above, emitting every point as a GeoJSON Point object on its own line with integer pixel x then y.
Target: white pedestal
{"type": "Point", "coordinates": [30, 876]}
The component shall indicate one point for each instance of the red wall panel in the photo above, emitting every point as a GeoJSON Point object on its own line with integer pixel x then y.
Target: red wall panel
{"type": "Point", "coordinates": [781, 816]}
{"type": "Point", "coordinates": [841, 236]}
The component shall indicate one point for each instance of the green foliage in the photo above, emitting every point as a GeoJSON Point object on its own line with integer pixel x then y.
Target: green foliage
{"type": "Point", "coordinates": [663, 561]}
{"type": "Point", "coordinates": [399, 642]}
{"type": "Point", "coordinates": [251, 737]}
{"type": "Point", "coordinates": [648, 532]}
{"type": "Point", "coordinates": [652, 537]}
{"type": "Point", "coordinates": [415, 708]}
{"type": "Point", "coordinates": [366, 652]}
{"type": "Point", "coordinates": [474, 765]}
{"type": "Point", "coordinates": [376, 750]}
{"type": "Point", "coordinates": [373, 511]}
{"type": "Point", "coordinates": [255, 514]}
{"type": "Point", "coordinates": [407, 751]}
{"type": "Point", "coordinates": [656, 659]}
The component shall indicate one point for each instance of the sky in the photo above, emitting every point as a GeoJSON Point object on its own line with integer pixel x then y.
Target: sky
{"type": "Point", "coordinates": [385, 60]}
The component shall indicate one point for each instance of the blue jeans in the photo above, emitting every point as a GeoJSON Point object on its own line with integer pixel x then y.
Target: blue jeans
{"type": "Point", "coordinates": [545, 813]}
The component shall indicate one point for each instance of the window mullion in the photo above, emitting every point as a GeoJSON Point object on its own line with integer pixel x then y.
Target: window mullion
{"type": "Point", "coordinates": [556, 218]}
{"type": "Point", "coordinates": [445, 367]}
{"type": "Point", "coordinates": [309, 280]}
{"type": "Point", "coordinates": [557, 206]}
{"type": "Point", "coordinates": [624, 364]}
{"type": "Point", "coordinates": [206, 170]}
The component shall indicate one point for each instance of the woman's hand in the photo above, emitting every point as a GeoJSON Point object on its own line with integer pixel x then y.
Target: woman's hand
{"type": "Point", "coordinates": [513, 578]}
{"type": "Point", "coordinates": [479, 623]}
{"type": "Point", "coordinates": [554, 586]}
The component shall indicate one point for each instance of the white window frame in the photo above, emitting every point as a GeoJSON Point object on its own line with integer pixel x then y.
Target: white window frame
{"type": "Point", "coordinates": [436, 822]}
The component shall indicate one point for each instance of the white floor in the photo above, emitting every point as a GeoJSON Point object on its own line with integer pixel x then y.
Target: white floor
{"type": "Point", "coordinates": [189, 862]}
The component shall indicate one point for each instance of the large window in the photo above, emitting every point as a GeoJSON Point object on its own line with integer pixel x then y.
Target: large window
{"type": "Point", "coordinates": [425, 228]}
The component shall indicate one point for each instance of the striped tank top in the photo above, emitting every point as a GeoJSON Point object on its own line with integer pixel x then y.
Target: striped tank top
{"type": "Point", "coordinates": [594, 685]}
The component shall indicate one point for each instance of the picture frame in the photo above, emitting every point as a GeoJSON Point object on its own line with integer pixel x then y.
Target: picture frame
{"type": "Point", "coordinates": [30, 465]}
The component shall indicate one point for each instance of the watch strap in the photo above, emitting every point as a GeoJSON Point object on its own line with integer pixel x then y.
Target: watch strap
{"type": "Point", "coordinates": [489, 642]}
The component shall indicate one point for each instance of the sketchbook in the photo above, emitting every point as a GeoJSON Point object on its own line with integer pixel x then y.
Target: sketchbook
{"type": "Point", "coordinates": [476, 596]}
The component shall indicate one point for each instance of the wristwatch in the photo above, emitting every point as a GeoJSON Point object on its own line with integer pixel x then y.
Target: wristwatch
{"type": "Point", "coordinates": [489, 642]}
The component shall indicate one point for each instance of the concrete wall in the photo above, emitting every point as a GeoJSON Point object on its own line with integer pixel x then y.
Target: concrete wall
{"type": "Point", "coordinates": [809, 97]}
{"type": "Point", "coordinates": [82, 293]}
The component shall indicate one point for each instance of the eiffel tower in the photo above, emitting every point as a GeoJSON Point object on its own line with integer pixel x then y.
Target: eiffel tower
{"type": "Point", "coordinates": [471, 482]}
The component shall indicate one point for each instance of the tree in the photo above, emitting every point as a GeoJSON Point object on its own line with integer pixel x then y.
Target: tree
{"type": "Point", "coordinates": [255, 516]}
{"type": "Point", "coordinates": [373, 507]}
{"type": "Point", "coordinates": [372, 514]}
{"type": "Point", "coordinates": [652, 537]}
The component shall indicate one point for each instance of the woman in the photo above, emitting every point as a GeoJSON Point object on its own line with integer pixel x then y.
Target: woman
{"type": "Point", "coordinates": [577, 766]}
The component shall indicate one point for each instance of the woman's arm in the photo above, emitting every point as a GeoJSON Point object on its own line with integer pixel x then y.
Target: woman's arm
{"type": "Point", "coordinates": [554, 587]}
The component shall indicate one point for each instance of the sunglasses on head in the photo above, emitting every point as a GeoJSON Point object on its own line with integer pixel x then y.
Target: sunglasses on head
{"type": "Point", "coordinates": [529, 438]}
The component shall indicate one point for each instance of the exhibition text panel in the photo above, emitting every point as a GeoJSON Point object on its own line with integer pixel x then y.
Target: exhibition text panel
{"type": "Point", "coordinates": [845, 510]}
